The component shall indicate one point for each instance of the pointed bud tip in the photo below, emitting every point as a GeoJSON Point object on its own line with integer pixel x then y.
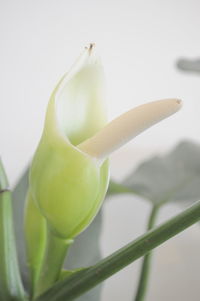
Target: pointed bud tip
{"type": "Point", "coordinates": [92, 54]}
{"type": "Point", "coordinates": [177, 102]}
{"type": "Point", "coordinates": [172, 105]}
{"type": "Point", "coordinates": [90, 48]}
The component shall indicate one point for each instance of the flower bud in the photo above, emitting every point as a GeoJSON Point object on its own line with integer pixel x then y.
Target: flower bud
{"type": "Point", "coordinates": [67, 184]}
{"type": "Point", "coordinates": [69, 172]}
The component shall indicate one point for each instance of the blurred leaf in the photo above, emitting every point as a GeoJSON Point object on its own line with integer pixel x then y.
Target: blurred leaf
{"type": "Point", "coordinates": [169, 178]}
{"type": "Point", "coordinates": [84, 252]}
{"type": "Point", "coordinates": [19, 194]}
{"type": "Point", "coordinates": [11, 287]}
{"type": "Point", "coordinates": [79, 283]}
{"type": "Point", "coordinates": [189, 65]}
{"type": "Point", "coordinates": [116, 188]}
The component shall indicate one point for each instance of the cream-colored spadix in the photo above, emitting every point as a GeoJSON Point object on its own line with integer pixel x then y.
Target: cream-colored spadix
{"type": "Point", "coordinates": [124, 128]}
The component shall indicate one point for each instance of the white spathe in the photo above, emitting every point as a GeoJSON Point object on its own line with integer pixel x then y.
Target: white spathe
{"type": "Point", "coordinates": [128, 125]}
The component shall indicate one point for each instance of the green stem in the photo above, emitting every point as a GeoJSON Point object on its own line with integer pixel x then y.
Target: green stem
{"type": "Point", "coordinates": [145, 270]}
{"type": "Point", "coordinates": [56, 249]}
{"type": "Point", "coordinates": [79, 283]}
{"type": "Point", "coordinates": [11, 287]}
{"type": "Point", "coordinates": [35, 239]}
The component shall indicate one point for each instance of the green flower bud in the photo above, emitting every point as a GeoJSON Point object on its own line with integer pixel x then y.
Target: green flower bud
{"type": "Point", "coordinates": [69, 172]}
{"type": "Point", "coordinates": [67, 184]}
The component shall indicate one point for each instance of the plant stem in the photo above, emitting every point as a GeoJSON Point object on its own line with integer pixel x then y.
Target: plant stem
{"type": "Point", "coordinates": [145, 270]}
{"type": "Point", "coordinates": [79, 283]}
{"type": "Point", "coordinates": [11, 287]}
{"type": "Point", "coordinates": [56, 249]}
{"type": "Point", "coordinates": [35, 239]}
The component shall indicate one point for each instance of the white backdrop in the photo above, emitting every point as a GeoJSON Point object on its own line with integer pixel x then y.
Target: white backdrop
{"type": "Point", "coordinates": [139, 42]}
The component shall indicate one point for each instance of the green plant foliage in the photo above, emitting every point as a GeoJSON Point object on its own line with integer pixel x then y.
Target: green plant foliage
{"type": "Point", "coordinates": [189, 65]}
{"type": "Point", "coordinates": [174, 177]}
{"type": "Point", "coordinates": [11, 287]}
{"type": "Point", "coordinates": [77, 284]}
{"type": "Point", "coordinates": [169, 178]}
{"type": "Point", "coordinates": [19, 194]}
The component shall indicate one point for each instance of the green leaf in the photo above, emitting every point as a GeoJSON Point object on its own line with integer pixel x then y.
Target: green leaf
{"type": "Point", "coordinates": [189, 65]}
{"type": "Point", "coordinates": [67, 273]}
{"type": "Point", "coordinates": [116, 188]}
{"type": "Point", "coordinates": [19, 195]}
{"type": "Point", "coordinates": [11, 287]}
{"type": "Point", "coordinates": [72, 287]}
{"type": "Point", "coordinates": [84, 252]}
{"type": "Point", "coordinates": [169, 178]}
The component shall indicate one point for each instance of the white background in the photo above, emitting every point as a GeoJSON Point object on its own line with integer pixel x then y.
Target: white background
{"type": "Point", "coordinates": [139, 42]}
